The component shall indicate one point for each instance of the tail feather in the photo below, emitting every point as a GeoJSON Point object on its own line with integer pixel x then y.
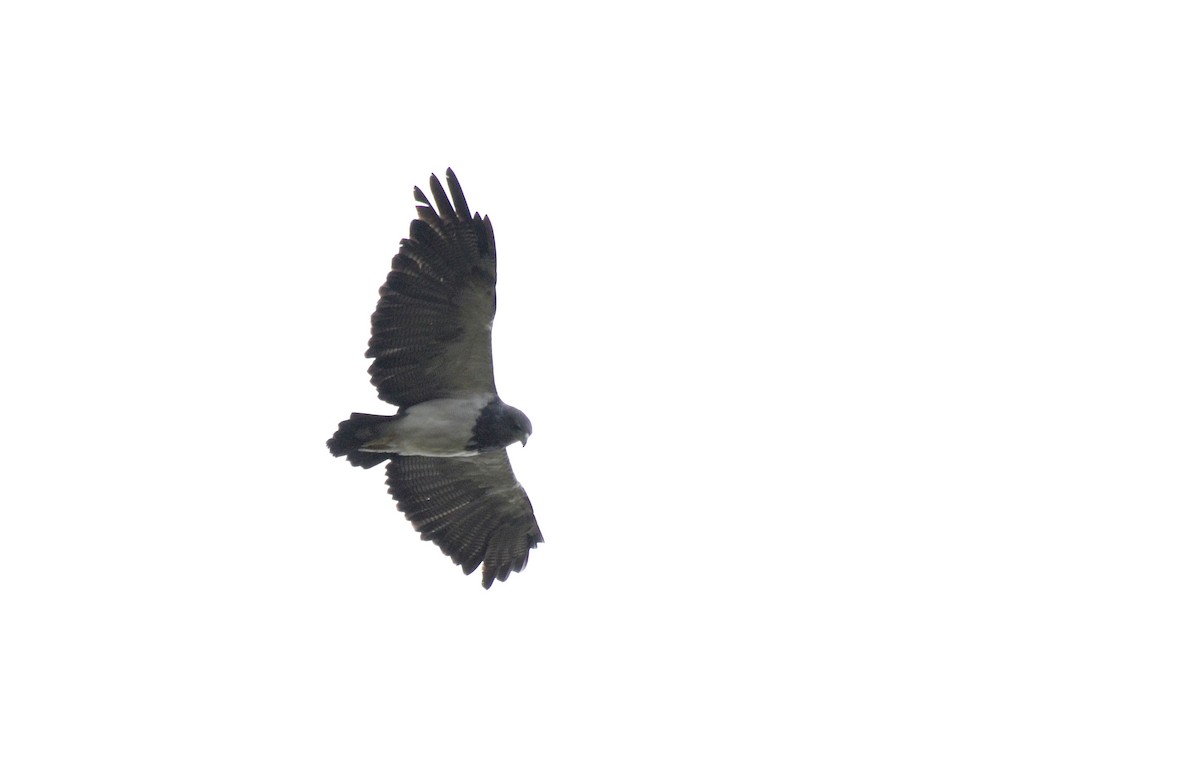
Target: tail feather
{"type": "Point", "coordinates": [353, 433]}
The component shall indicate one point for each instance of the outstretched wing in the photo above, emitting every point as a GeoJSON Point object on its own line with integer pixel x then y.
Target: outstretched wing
{"type": "Point", "coordinates": [431, 333]}
{"type": "Point", "coordinates": [471, 507]}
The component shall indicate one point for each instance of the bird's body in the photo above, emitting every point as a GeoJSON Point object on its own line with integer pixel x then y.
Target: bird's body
{"type": "Point", "coordinates": [438, 428]}
{"type": "Point", "coordinates": [431, 341]}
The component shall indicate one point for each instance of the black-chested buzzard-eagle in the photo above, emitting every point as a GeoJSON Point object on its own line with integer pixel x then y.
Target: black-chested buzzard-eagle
{"type": "Point", "coordinates": [431, 341]}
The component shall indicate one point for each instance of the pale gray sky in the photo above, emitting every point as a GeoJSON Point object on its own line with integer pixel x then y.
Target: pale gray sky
{"type": "Point", "coordinates": [859, 339]}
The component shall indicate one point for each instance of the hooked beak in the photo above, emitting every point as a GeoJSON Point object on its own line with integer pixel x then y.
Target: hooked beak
{"type": "Point", "coordinates": [524, 438]}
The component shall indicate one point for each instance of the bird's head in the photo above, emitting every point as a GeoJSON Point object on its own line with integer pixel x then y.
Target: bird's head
{"type": "Point", "coordinates": [499, 425]}
{"type": "Point", "coordinates": [521, 424]}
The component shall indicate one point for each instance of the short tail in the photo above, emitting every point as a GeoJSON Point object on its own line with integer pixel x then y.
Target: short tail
{"type": "Point", "coordinates": [353, 433]}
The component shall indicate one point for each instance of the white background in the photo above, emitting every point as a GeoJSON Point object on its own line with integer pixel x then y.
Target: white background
{"type": "Point", "coordinates": [860, 342]}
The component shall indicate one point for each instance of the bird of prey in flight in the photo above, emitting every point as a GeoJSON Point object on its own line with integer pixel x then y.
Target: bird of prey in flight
{"type": "Point", "coordinates": [431, 341]}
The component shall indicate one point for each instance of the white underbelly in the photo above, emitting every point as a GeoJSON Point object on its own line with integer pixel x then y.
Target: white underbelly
{"type": "Point", "coordinates": [438, 428]}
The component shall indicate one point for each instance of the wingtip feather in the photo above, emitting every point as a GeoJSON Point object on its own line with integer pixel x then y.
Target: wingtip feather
{"type": "Point", "coordinates": [456, 193]}
{"type": "Point", "coordinates": [445, 209]}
